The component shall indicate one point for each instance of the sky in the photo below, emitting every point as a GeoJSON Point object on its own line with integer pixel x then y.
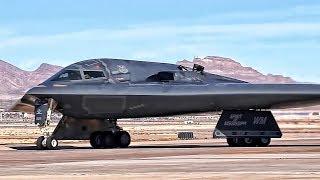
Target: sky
{"type": "Point", "coordinates": [272, 36]}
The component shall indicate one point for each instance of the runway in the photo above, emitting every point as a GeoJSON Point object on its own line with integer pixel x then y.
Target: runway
{"type": "Point", "coordinates": [161, 160]}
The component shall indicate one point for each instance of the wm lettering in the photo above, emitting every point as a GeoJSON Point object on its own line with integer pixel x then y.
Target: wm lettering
{"type": "Point", "coordinates": [260, 120]}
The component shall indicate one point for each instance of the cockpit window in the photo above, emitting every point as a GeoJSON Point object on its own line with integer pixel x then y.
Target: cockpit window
{"type": "Point", "coordinates": [178, 76]}
{"type": "Point", "coordinates": [161, 77]}
{"type": "Point", "coordinates": [93, 74]}
{"type": "Point", "coordinates": [68, 75]}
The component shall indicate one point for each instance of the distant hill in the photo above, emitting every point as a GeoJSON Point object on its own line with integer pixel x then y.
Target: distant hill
{"type": "Point", "coordinates": [231, 68]}
{"type": "Point", "coordinates": [15, 82]}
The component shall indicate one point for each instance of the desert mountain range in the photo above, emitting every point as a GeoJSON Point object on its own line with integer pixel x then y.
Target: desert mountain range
{"type": "Point", "coordinates": [230, 68]}
{"type": "Point", "coordinates": [15, 81]}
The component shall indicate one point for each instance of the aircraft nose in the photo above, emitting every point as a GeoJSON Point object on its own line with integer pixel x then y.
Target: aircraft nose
{"type": "Point", "coordinates": [25, 104]}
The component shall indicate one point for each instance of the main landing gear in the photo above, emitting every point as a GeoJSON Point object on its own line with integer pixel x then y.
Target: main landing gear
{"type": "Point", "coordinates": [247, 128]}
{"type": "Point", "coordinates": [111, 136]}
{"type": "Point", "coordinates": [107, 139]}
{"type": "Point", "coordinates": [249, 142]}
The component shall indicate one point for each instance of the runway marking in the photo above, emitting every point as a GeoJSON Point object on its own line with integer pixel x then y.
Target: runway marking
{"type": "Point", "coordinates": [170, 160]}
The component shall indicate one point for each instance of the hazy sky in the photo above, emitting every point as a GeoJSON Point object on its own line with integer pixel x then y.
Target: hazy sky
{"type": "Point", "coordinates": [273, 36]}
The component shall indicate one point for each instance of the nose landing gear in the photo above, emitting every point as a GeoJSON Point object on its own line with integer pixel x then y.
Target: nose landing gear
{"type": "Point", "coordinates": [49, 143]}
{"type": "Point", "coordinates": [43, 110]}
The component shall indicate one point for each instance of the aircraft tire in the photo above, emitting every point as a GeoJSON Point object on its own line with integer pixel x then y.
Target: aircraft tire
{"type": "Point", "coordinates": [236, 142]}
{"type": "Point", "coordinates": [240, 142]}
{"type": "Point", "coordinates": [41, 143]}
{"type": "Point", "coordinates": [263, 142]}
{"type": "Point", "coordinates": [249, 142]}
{"type": "Point", "coordinates": [96, 140]}
{"type": "Point", "coordinates": [109, 140]}
{"type": "Point", "coordinates": [123, 139]}
{"type": "Point", "coordinates": [231, 142]}
{"type": "Point", "coordinates": [51, 143]}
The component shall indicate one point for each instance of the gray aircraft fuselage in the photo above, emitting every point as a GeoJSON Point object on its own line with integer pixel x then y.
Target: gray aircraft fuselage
{"type": "Point", "coordinates": [115, 88]}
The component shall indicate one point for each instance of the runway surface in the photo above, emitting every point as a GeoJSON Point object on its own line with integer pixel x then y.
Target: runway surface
{"type": "Point", "coordinates": [162, 160]}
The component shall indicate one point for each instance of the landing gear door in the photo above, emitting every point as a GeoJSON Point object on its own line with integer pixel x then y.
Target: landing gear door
{"type": "Point", "coordinates": [247, 124]}
{"type": "Point", "coordinates": [41, 112]}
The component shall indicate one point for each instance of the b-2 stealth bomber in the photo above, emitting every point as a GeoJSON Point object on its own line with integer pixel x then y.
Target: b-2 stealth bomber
{"type": "Point", "coordinates": [93, 94]}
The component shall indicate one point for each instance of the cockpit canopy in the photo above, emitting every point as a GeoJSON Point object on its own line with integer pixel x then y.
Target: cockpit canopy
{"type": "Point", "coordinates": [119, 71]}
{"type": "Point", "coordinates": [124, 71]}
{"type": "Point", "coordinates": [76, 74]}
{"type": "Point", "coordinates": [69, 74]}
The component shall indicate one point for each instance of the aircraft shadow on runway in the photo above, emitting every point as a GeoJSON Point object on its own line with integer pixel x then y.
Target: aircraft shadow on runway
{"type": "Point", "coordinates": [28, 147]}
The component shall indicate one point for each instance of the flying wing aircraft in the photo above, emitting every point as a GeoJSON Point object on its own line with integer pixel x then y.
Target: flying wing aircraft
{"type": "Point", "coordinates": [93, 94]}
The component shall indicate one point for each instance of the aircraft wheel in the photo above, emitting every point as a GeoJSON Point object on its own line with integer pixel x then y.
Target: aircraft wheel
{"type": "Point", "coordinates": [123, 139]}
{"type": "Point", "coordinates": [240, 142]}
{"type": "Point", "coordinates": [96, 140]}
{"type": "Point", "coordinates": [41, 143]}
{"type": "Point", "coordinates": [263, 142]}
{"type": "Point", "coordinates": [109, 140]}
{"type": "Point", "coordinates": [51, 143]}
{"type": "Point", "coordinates": [249, 142]}
{"type": "Point", "coordinates": [235, 142]}
{"type": "Point", "coordinates": [231, 142]}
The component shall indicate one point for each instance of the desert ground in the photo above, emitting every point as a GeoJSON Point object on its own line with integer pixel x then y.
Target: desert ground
{"type": "Point", "coordinates": [157, 153]}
